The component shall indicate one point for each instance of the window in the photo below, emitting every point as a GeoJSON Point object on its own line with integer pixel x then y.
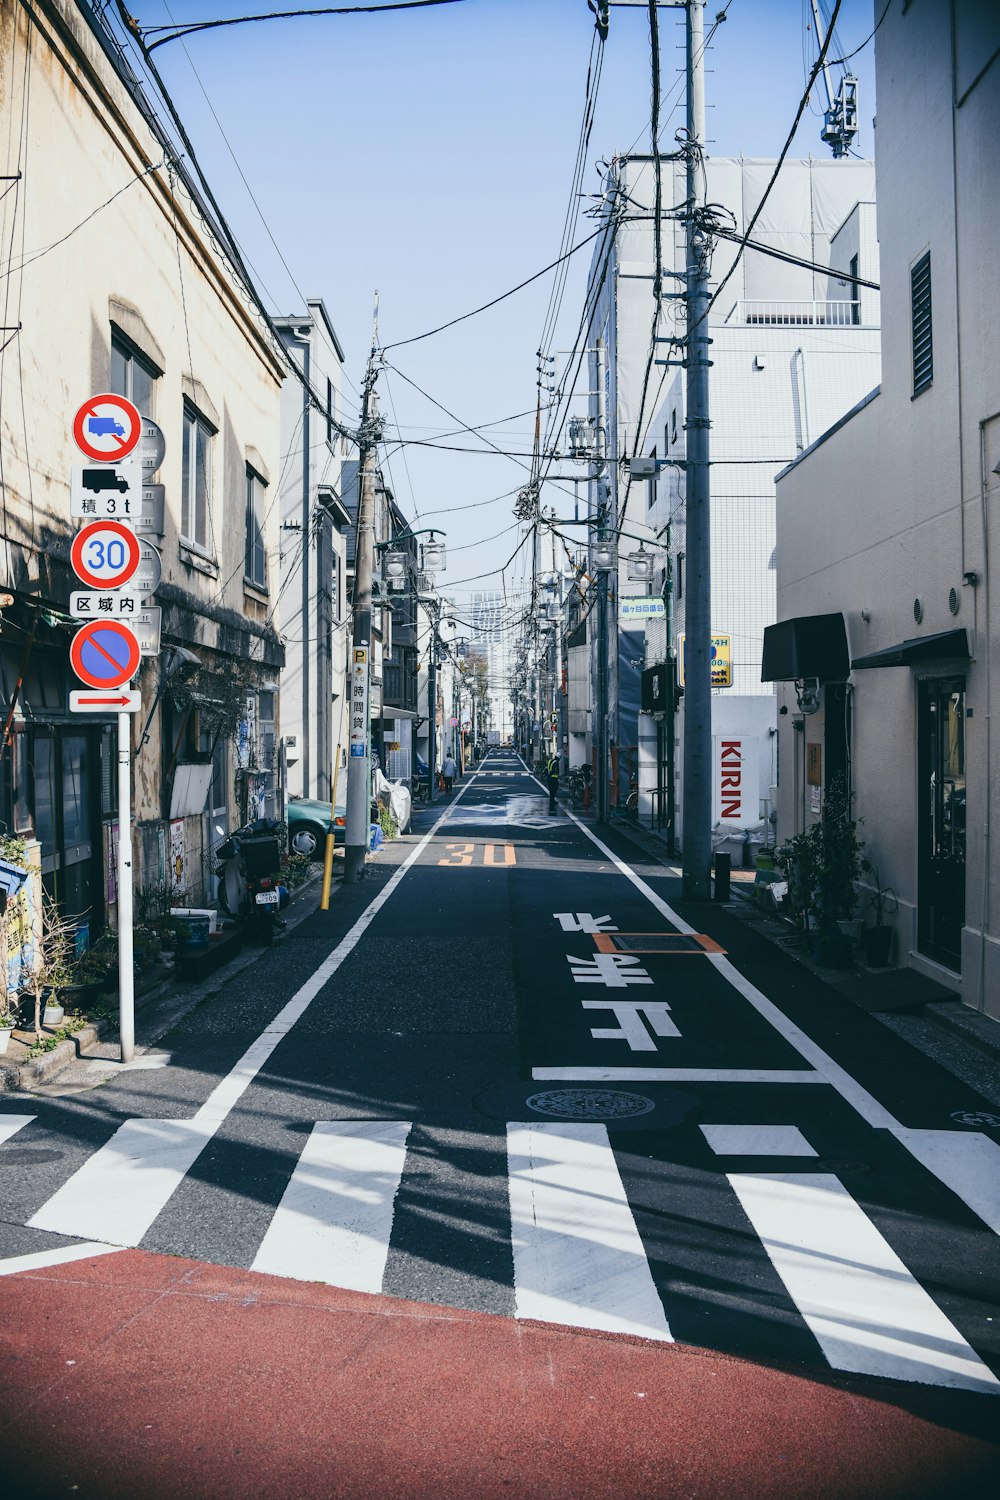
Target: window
{"type": "Point", "coordinates": [651, 484]}
{"type": "Point", "coordinates": [133, 376]}
{"type": "Point", "coordinates": [331, 412]}
{"type": "Point", "coordinates": [255, 566]}
{"type": "Point", "coordinates": [680, 576]}
{"type": "Point", "coordinates": [920, 308]}
{"type": "Point", "coordinates": [673, 425]}
{"type": "Point", "coordinates": [196, 479]}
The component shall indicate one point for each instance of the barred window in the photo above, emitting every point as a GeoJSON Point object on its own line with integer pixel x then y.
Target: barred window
{"type": "Point", "coordinates": [920, 307]}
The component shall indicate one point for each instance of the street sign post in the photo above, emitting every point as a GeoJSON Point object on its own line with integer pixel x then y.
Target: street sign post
{"type": "Point", "coordinates": [107, 428]}
{"type": "Point", "coordinates": [91, 604]}
{"type": "Point", "coordinates": [122, 701]}
{"type": "Point", "coordinates": [105, 490]}
{"type": "Point", "coordinates": [105, 554]}
{"type": "Point", "coordinates": [150, 570]}
{"type": "Point", "coordinates": [146, 626]}
{"type": "Point", "coordinates": [150, 517]}
{"type": "Point", "coordinates": [104, 653]}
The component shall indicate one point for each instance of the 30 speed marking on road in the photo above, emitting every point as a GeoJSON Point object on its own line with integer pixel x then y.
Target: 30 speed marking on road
{"type": "Point", "coordinates": [105, 554]}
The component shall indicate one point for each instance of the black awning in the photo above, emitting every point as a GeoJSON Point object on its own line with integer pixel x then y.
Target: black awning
{"type": "Point", "coordinates": [808, 646]}
{"type": "Point", "coordinates": [945, 645]}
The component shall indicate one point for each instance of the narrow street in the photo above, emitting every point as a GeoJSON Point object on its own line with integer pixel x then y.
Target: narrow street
{"type": "Point", "coordinates": [510, 1075]}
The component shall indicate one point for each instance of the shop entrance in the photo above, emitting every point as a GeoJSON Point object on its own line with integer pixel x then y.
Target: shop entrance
{"type": "Point", "coordinates": [941, 819]}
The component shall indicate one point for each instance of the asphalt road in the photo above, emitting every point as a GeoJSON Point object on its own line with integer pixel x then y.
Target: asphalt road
{"type": "Point", "coordinates": [511, 1073]}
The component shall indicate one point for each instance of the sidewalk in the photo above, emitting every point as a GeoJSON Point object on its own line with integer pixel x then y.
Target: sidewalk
{"type": "Point", "coordinates": [916, 1008]}
{"type": "Point", "coordinates": [134, 1374]}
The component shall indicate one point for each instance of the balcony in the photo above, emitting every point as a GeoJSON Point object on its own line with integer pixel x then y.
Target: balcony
{"type": "Point", "coordinates": [836, 313]}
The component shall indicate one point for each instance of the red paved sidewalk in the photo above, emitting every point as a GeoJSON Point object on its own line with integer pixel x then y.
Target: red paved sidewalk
{"type": "Point", "coordinates": [135, 1375]}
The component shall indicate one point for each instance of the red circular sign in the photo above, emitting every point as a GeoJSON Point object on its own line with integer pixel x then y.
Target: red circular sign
{"type": "Point", "coordinates": [107, 428]}
{"type": "Point", "coordinates": [105, 554]}
{"type": "Point", "coordinates": [104, 653]}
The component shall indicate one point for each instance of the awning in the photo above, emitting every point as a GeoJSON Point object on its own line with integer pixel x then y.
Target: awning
{"type": "Point", "coordinates": [945, 645]}
{"type": "Point", "coordinates": [807, 646]}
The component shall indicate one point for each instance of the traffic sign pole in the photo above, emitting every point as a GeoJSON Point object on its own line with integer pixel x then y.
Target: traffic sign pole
{"type": "Point", "coordinates": [126, 970]}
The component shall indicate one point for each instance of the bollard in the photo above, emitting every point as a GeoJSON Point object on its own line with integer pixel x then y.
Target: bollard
{"type": "Point", "coordinates": [722, 867]}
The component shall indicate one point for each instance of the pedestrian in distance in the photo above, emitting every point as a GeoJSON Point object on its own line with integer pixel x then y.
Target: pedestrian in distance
{"type": "Point", "coordinates": [448, 772]}
{"type": "Point", "coordinates": [552, 776]}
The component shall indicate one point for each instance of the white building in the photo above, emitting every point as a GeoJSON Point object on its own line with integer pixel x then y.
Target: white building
{"type": "Point", "coordinates": [883, 527]}
{"type": "Point", "coordinates": [312, 609]}
{"type": "Point", "coordinates": [793, 348]}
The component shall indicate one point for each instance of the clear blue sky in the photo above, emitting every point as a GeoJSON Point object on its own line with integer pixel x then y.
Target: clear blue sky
{"type": "Point", "coordinates": [430, 154]}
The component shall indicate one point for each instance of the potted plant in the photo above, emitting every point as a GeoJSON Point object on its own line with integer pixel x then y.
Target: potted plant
{"type": "Point", "coordinates": [8, 1020]}
{"type": "Point", "coordinates": [823, 865]}
{"type": "Point", "coordinates": [876, 940]}
{"type": "Point", "coordinates": [47, 967]}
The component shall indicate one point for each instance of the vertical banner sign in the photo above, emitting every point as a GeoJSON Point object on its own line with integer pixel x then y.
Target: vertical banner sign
{"type": "Point", "coordinates": [359, 702]}
{"type": "Point", "coordinates": [736, 772]}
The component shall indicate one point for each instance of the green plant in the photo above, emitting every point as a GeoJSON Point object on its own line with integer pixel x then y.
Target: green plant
{"type": "Point", "coordinates": [823, 865]}
{"type": "Point", "coordinates": [387, 822]}
{"type": "Point", "coordinates": [43, 1044]}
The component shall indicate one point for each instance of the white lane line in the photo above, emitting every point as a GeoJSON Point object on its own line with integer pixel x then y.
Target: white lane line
{"type": "Point", "coordinates": [119, 1191]}
{"type": "Point", "coordinates": [676, 1075]}
{"type": "Point", "coordinates": [578, 1258]}
{"type": "Point", "coordinates": [334, 1221]}
{"type": "Point", "coordinates": [967, 1162]}
{"type": "Point", "coordinates": [757, 1140]}
{"type": "Point", "coordinates": [17, 1265]}
{"type": "Point", "coordinates": [868, 1314]}
{"type": "Point", "coordinates": [11, 1124]}
{"type": "Point", "coordinates": [849, 1089]}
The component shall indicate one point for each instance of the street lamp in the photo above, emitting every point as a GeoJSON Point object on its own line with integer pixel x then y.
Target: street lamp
{"type": "Point", "coordinates": [640, 566]}
{"type": "Point", "coordinates": [605, 556]}
{"type": "Point", "coordinates": [435, 558]}
{"type": "Point", "coordinates": [394, 569]}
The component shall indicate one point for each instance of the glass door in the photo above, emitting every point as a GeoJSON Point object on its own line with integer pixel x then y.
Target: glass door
{"type": "Point", "coordinates": [941, 819]}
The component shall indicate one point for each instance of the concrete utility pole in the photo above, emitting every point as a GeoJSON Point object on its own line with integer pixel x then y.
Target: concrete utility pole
{"type": "Point", "coordinates": [697, 850]}
{"type": "Point", "coordinates": [359, 678]}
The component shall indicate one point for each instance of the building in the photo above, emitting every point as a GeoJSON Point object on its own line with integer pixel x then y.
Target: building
{"type": "Point", "coordinates": [793, 348]}
{"type": "Point", "coordinates": [315, 521]}
{"type": "Point", "coordinates": [885, 653]}
{"type": "Point", "coordinates": [117, 283]}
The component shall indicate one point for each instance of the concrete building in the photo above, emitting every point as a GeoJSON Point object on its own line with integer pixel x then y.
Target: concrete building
{"type": "Point", "coordinates": [793, 348]}
{"type": "Point", "coordinates": [315, 521]}
{"type": "Point", "coordinates": [116, 282]}
{"type": "Point", "coordinates": [884, 548]}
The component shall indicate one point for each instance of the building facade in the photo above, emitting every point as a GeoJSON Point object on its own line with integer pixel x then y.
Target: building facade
{"type": "Point", "coordinates": [116, 283]}
{"type": "Point", "coordinates": [886, 647]}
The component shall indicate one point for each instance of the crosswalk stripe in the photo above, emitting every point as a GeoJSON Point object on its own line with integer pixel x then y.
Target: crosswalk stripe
{"type": "Point", "coordinates": [118, 1192]}
{"type": "Point", "coordinates": [11, 1124]}
{"type": "Point", "coordinates": [967, 1162]}
{"type": "Point", "coordinates": [868, 1314]}
{"type": "Point", "coordinates": [578, 1258]}
{"type": "Point", "coordinates": [334, 1221]}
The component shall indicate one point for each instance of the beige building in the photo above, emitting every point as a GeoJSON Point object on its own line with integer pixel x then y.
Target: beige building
{"type": "Point", "coordinates": [114, 281]}
{"type": "Point", "coordinates": [884, 539]}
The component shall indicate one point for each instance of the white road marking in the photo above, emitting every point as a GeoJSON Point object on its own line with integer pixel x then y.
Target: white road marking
{"type": "Point", "coordinates": [119, 1191]}
{"type": "Point", "coordinates": [610, 969]}
{"type": "Point", "coordinates": [582, 921]}
{"type": "Point", "coordinates": [334, 1221]}
{"type": "Point", "coordinates": [11, 1124]}
{"type": "Point", "coordinates": [966, 1162]}
{"type": "Point", "coordinates": [578, 1258]}
{"type": "Point", "coordinates": [629, 1015]}
{"type": "Point", "coordinates": [849, 1089]}
{"type": "Point", "coordinates": [868, 1314]}
{"type": "Point", "coordinates": [17, 1265]}
{"type": "Point", "coordinates": [675, 1075]}
{"type": "Point", "coordinates": [756, 1140]}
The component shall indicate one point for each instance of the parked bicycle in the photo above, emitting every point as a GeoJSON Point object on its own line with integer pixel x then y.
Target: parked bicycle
{"type": "Point", "coordinates": [579, 782]}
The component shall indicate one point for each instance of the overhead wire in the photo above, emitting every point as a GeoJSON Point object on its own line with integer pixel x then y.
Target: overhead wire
{"type": "Point", "coordinates": [189, 28]}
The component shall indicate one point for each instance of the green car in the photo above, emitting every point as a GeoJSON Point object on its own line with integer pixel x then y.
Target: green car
{"type": "Point", "coordinates": [309, 824]}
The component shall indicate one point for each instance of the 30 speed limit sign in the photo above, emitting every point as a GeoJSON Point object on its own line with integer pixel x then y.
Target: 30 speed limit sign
{"type": "Point", "coordinates": [105, 554]}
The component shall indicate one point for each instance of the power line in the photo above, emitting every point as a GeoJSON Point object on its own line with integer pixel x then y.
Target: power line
{"type": "Point", "coordinates": [176, 32]}
{"type": "Point", "coordinates": [401, 343]}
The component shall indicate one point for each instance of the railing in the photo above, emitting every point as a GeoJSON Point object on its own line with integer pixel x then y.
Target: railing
{"type": "Point", "coordinates": [837, 313]}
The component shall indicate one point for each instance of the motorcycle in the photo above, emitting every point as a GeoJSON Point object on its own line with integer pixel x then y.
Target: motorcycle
{"type": "Point", "coordinates": [248, 877]}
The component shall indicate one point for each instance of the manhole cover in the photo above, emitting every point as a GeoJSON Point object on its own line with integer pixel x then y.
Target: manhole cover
{"type": "Point", "coordinates": [980, 1117]}
{"type": "Point", "coordinates": [589, 1104]}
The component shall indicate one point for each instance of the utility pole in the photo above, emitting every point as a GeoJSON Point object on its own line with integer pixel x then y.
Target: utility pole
{"type": "Point", "coordinates": [697, 848]}
{"type": "Point", "coordinates": [432, 702]}
{"type": "Point", "coordinates": [359, 759]}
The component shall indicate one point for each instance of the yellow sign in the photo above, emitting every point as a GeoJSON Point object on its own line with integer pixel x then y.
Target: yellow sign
{"type": "Point", "coordinates": [722, 661]}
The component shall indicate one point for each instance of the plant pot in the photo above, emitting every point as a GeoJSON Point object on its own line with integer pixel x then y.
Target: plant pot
{"type": "Point", "coordinates": [831, 949]}
{"type": "Point", "coordinates": [5, 1032]}
{"type": "Point", "coordinates": [52, 1015]}
{"type": "Point", "coordinates": [877, 945]}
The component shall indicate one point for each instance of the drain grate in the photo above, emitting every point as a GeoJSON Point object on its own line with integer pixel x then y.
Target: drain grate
{"type": "Point", "coordinates": [590, 1104]}
{"type": "Point", "coordinates": [979, 1117]}
{"type": "Point", "coordinates": [655, 942]}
